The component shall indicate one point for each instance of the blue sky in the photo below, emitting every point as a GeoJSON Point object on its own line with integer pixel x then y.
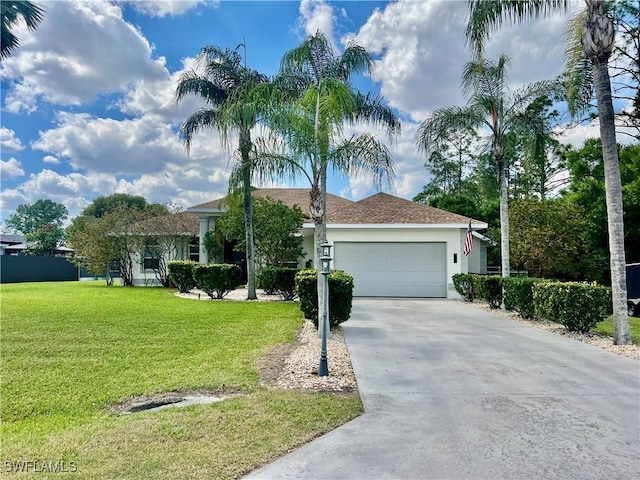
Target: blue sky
{"type": "Point", "coordinates": [88, 103]}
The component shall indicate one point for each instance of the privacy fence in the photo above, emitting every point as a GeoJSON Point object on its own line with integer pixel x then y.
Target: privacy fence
{"type": "Point", "coordinates": [26, 268]}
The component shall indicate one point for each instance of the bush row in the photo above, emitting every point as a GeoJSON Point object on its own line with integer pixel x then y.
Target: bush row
{"type": "Point", "coordinates": [577, 306]}
{"type": "Point", "coordinates": [216, 280]}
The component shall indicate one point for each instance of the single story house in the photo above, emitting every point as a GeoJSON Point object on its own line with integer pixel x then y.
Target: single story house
{"type": "Point", "coordinates": [391, 246]}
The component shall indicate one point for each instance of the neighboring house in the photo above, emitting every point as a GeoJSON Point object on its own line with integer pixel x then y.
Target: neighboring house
{"type": "Point", "coordinates": [15, 244]}
{"type": "Point", "coordinates": [171, 237]}
{"type": "Point", "coordinates": [11, 244]}
{"type": "Point", "coordinates": [391, 246]}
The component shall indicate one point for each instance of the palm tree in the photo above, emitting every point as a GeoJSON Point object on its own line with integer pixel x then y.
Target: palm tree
{"type": "Point", "coordinates": [316, 101]}
{"type": "Point", "coordinates": [597, 38]}
{"type": "Point", "coordinates": [492, 107]}
{"type": "Point", "coordinates": [227, 87]}
{"type": "Point", "coordinates": [324, 100]}
{"type": "Point", "coordinates": [11, 13]}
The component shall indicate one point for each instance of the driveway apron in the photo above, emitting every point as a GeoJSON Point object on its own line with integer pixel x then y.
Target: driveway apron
{"type": "Point", "coordinates": [451, 391]}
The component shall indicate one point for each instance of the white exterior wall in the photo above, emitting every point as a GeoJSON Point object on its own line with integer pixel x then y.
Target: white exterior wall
{"type": "Point", "coordinates": [404, 233]}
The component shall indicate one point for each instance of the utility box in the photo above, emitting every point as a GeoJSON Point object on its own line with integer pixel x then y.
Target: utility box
{"type": "Point", "coordinates": [633, 289]}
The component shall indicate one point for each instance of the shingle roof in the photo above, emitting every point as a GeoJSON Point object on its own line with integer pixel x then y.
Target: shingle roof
{"type": "Point", "coordinates": [380, 208]}
{"type": "Point", "coordinates": [185, 223]}
{"type": "Point", "coordinates": [383, 208]}
{"type": "Point", "coordinates": [288, 196]}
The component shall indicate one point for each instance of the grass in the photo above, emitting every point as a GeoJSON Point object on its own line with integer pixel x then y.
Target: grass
{"type": "Point", "coordinates": [70, 351]}
{"type": "Point", "coordinates": [606, 328]}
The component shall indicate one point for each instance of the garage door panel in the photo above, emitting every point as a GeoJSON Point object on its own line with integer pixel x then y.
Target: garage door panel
{"type": "Point", "coordinates": [394, 269]}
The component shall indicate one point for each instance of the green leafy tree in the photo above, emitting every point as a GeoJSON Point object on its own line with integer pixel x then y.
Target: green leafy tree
{"type": "Point", "coordinates": [41, 223]}
{"type": "Point", "coordinates": [232, 105]}
{"type": "Point", "coordinates": [12, 12]}
{"type": "Point", "coordinates": [103, 205]}
{"type": "Point", "coordinates": [451, 156]}
{"type": "Point", "coordinates": [44, 241]}
{"type": "Point", "coordinates": [30, 217]}
{"type": "Point", "coordinates": [276, 230]}
{"type": "Point", "coordinates": [112, 241]}
{"type": "Point", "coordinates": [548, 238]}
{"type": "Point", "coordinates": [106, 204]}
{"type": "Point", "coordinates": [490, 105]}
{"type": "Point", "coordinates": [590, 43]}
{"type": "Point", "coordinates": [587, 189]}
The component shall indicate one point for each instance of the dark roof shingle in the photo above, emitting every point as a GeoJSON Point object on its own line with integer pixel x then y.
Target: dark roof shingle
{"type": "Point", "coordinates": [383, 208]}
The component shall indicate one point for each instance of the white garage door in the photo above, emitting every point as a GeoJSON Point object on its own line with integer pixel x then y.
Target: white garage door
{"type": "Point", "coordinates": [394, 269]}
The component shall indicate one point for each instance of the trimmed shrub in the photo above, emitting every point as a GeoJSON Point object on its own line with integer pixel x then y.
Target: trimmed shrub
{"type": "Point", "coordinates": [181, 274]}
{"type": "Point", "coordinates": [488, 288]}
{"type": "Point", "coordinates": [577, 306]}
{"type": "Point", "coordinates": [463, 284]}
{"type": "Point", "coordinates": [278, 281]}
{"type": "Point", "coordinates": [340, 295]}
{"type": "Point", "coordinates": [518, 294]}
{"type": "Point", "coordinates": [216, 280]}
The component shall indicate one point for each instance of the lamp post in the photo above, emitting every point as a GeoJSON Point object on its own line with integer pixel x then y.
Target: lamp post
{"type": "Point", "coordinates": [325, 259]}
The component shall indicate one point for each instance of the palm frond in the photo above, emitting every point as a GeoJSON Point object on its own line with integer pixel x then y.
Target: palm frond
{"type": "Point", "coordinates": [354, 60]}
{"type": "Point", "coordinates": [578, 74]}
{"type": "Point", "coordinates": [486, 16]}
{"type": "Point", "coordinates": [374, 110]}
{"type": "Point", "coordinates": [433, 131]}
{"type": "Point", "coordinates": [522, 98]}
{"type": "Point", "coordinates": [11, 13]}
{"type": "Point", "coordinates": [364, 154]}
{"type": "Point", "coordinates": [203, 119]}
{"type": "Point", "coordinates": [191, 83]}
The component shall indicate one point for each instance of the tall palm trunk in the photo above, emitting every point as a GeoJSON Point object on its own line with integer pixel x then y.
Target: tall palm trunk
{"type": "Point", "coordinates": [504, 219]}
{"type": "Point", "coordinates": [598, 40]}
{"type": "Point", "coordinates": [245, 149]}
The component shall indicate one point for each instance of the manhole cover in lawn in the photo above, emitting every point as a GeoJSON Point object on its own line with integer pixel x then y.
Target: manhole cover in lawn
{"type": "Point", "coordinates": [161, 402]}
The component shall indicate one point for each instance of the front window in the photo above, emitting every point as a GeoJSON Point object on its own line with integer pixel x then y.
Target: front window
{"type": "Point", "coordinates": [194, 250]}
{"type": "Point", "coordinates": [150, 261]}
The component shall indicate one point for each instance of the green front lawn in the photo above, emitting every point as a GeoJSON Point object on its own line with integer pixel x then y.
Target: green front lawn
{"type": "Point", "coordinates": [70, 351]}
{"type": "Point", "coordinates": [606, 328]}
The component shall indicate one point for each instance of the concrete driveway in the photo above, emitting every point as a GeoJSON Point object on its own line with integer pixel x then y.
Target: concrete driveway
{"type": "Point", "coordinates": [453, 392]}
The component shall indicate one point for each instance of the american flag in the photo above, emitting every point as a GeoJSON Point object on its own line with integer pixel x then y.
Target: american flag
{"type": "Point", "coordinates": [468, 241]}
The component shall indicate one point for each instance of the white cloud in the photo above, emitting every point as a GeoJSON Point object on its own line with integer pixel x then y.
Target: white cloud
{"type": "Point", "coordinates": [73, 190]}
{"type": "Point", "coordinates": [162, 8]}
{"type": "Point", "coordinates": [51, 160]}
{"type": "Point", "coordinates": [576, 135]}
{"type": "Point", "coordinates": [12, 168]}
{"type": "Point", "coordinates": [158, 97]}
{"type": "Point", "coordinates": [80, 51]}
{"type": "Point", "coordinates": [8, 141]}
{"type": "Point", "coordinates": [186, 185]}
{"type": "Point", "coordinates": [422, 52]}
{"type": "Point", "coordinates": [317, 15]}
{"type": "Point", "coordinates": [139, 145]}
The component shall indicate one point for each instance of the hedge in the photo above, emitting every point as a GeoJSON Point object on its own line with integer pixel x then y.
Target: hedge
{"type": "Point", "coordinates": [340, 295]}
{"type": "Point", "coordinates": [278, 281]}
{"type": "Point", "coordinates": [488, 288]}
{"type": "Point", "coordinates": [463, 283]}
{"type": "Point", "coordinates": [216, 280]}
{"type": "Point", "coordinates": [181, 274]}
{"type": "Point", "coordinates": [577, 306]}
{"type": "Point", "coordinates": [518, 294]}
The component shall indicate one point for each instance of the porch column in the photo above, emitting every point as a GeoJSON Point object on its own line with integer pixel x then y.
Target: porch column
{"type": "Point", "coordinates": [204, 228]}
